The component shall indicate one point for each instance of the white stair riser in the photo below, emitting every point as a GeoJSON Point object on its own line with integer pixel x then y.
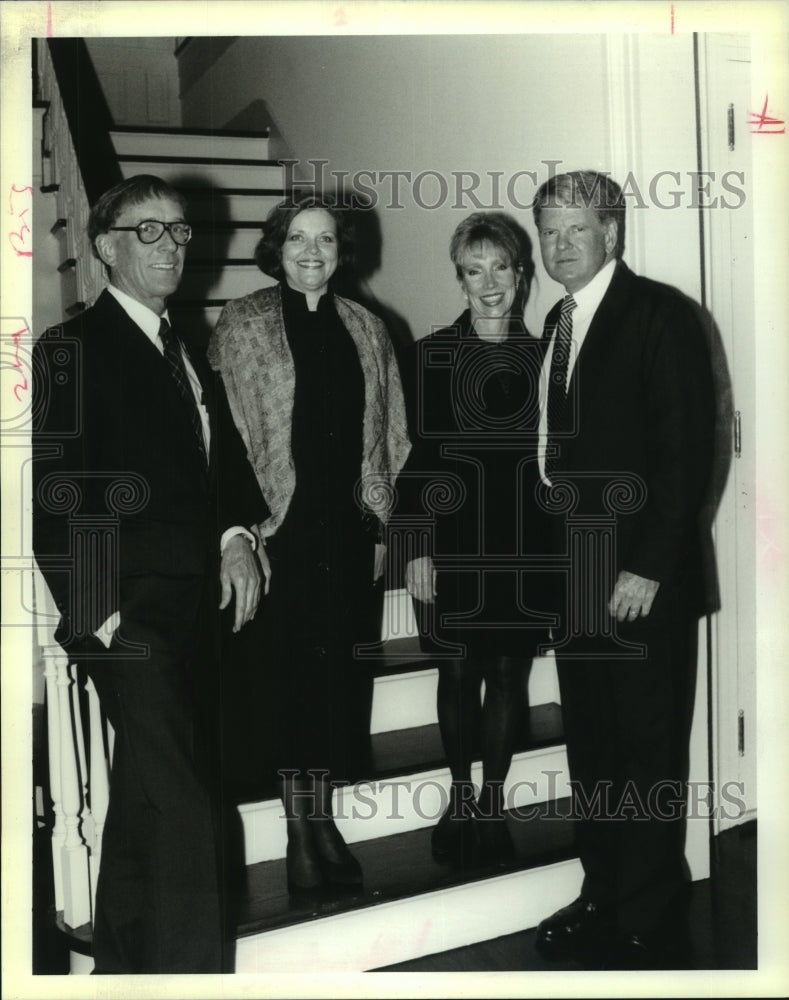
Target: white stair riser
{"type": "Point", "coordinates": [401, 701]}
{"type": "Point", "coordinates": [400, 930]}
{"type": "Point", "coordinates": [179, 145]}
{"type": "Point", "coordinates": [411, 802]}
{"type": "Point", "coordinates": [258, 176]}
{"type": "Point", "coordinates": [228, 282]}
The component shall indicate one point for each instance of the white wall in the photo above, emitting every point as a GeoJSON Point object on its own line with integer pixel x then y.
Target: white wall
{"type": "Point", "coordinates": [472, 103]}
{"type": "Point", "coordinates": [139, 77]}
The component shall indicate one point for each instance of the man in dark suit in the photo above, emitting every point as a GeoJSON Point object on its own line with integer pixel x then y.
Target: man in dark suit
{"type": "Point", "coordinates": [143, 500]}
{"type": "Point", "coordinates": [628, 423]}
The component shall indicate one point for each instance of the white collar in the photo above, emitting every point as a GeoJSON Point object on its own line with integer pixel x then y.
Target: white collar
{"type": "Point", "coordinates": [145, 318]}
{"type": "Point", "coordinates": [588, 298]}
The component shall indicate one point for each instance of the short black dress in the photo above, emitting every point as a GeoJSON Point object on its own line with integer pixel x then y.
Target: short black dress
{"type": "Point", "coordinates": [468, 492]}
{"type": "Point", "coordinates": [297, 697]}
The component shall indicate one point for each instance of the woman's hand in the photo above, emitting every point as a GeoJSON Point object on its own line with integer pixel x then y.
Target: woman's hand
{"type": "Point", "coordinates": [420, 579]}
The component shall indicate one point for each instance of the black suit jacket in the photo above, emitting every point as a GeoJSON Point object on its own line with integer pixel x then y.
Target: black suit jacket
{"type": "Point", "coordinates": [641, 401]}
{"type": "Point", "coordinates": [121, 493]}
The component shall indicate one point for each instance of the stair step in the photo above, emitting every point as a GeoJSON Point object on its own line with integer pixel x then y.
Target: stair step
{"type": "Point", "coordinates": [404, 699]}
{"type": "Point", "coordinates": [410, 906]}
{"type": "Point", "coordinates": [178, 144]}
{"type": "Point", "coordinates": [185, 170]}
{"type": "Point", "coordinates": [409, 785]}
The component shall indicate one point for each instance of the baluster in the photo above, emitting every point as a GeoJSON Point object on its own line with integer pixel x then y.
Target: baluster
{"type": "Point", "coordinates": [76, 877]}
{"type": "Point", "coordinates": [55, 659]}
{"type": "Point", "coordinates": [99, 784]}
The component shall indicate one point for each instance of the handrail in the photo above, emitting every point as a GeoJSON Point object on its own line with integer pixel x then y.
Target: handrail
{"type": "Point", "coordinates": [88, 115]}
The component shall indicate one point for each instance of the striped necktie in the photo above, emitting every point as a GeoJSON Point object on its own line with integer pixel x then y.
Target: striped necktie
{"type": "Point", "coordinates": [557, 384]}
{"type": "Point", "coordinates": [175, 362]}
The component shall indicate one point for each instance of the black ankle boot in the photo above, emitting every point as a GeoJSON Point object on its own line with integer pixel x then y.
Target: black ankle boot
{"type": "Point", "coordinates": [304, 871]}
{"type": "Point", "coordinates": [338, 866]}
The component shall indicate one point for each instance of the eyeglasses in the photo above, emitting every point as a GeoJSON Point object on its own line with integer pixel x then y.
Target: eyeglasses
{"type": "Point", "coordinates": [151, 231]}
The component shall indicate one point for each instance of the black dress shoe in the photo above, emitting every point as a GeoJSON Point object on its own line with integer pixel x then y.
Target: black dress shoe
{"type": "Point", "coordinates": [580, 925]}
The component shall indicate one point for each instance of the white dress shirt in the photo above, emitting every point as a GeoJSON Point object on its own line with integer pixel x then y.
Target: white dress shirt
{"type": "Point", "coordinates": [587, 301]}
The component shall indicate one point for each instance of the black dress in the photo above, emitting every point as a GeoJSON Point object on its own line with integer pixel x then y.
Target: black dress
{"type": "Point", "coordinates": [467, 495]}
{"type": "Point", "coordinates": [299, 699]}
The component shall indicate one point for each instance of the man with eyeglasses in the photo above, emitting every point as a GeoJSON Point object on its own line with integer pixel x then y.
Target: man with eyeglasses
{"type": "Point", "coordinates": [143, 504]}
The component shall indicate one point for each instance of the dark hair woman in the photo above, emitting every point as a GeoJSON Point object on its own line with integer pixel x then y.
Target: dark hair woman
{"type": "Point", "coordinates": [315, 392]}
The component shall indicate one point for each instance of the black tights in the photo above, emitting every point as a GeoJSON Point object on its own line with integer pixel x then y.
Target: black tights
{"type": "Point", "coordinates": [469, 726]}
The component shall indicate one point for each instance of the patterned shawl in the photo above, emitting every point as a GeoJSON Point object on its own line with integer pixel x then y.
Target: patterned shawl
{"type": "Point", "coordinates": [249, 348]}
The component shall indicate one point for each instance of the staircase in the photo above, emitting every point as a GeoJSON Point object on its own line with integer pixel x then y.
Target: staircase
{"type": "Point", "coordinates": [410, 905]}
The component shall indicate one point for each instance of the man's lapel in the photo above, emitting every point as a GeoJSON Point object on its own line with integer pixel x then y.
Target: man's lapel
{"type": "Point", "coordinates": [597, 352]}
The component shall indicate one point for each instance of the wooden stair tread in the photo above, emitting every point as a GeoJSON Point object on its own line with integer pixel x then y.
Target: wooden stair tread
{"type": "Point", "coordinates": [404, 752]}
{"type": "Point", "coordinates": [221, 161]}
{"type": "Point", "coordinates": [400, 866]}
{"type": "Point", "coordinates": [219, 133]}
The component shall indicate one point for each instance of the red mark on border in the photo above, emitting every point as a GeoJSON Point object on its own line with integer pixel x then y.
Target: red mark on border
{"type": "Point", "coordinates": [340, 18]}
{"type": "Point", "coordinates": [19, 238]}
{"type": "Point", "coordinates": [672, 19]}
{"type": "Point", "coordinates": [49, 19]}
{"type": "Point", "coordinates": [23, 385]}
{"type": "Point", "coordinates": [765, 124]}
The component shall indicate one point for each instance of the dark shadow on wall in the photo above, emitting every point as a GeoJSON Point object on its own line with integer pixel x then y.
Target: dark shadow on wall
{"type": "Point", "coordinates": [722, 451]}
{"type": "Point", "coordinates": [369, 246]}
{"type": "Point", "coordinates": [208, 211]}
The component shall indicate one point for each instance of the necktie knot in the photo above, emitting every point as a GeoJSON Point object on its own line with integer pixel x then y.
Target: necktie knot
{"type": "Point", "coordinates": [166, 334]}
{"type": "Point", "coordinates": [568, 305]}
